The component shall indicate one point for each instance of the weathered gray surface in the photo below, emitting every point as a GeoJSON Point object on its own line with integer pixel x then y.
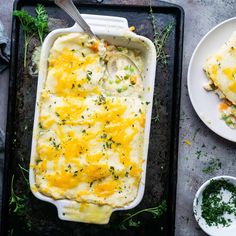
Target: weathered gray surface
{"type": "Point", "coordinates": [200, 16]}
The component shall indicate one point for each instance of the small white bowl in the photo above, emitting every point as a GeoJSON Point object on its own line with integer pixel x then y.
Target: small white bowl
{"type": "Point", "coordinates": [219, 230]}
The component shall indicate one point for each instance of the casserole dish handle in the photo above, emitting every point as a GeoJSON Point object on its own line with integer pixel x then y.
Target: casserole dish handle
{"type": "Point", "coordinates": [104, 23]}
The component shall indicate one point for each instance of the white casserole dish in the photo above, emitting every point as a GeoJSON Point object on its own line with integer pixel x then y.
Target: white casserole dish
{"type": "Point", "coordinates": [116, 31]}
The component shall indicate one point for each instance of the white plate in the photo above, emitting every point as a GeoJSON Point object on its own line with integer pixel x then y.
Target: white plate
{"type": "Point", "coordinates": [206, 103]}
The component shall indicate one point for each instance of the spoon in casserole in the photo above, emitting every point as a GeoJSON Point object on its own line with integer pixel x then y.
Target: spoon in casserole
{"type": "Point", "coordinates": [122, 63]}
{"type": "Point", "coordinates": [69, 7]}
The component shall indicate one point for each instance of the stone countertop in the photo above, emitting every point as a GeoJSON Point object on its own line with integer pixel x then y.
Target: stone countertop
{"type": "Point", "coordinates": [200, 17]}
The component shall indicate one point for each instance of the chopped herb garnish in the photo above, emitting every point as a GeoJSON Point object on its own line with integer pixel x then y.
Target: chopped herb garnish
{"type": "Point", "coordinates": [120, 49]}
{"type": "Point", "coordinates": [104, 136]}
{"type": "Point", "coordinates": [55, 145]}
{"type": "Point", "coordinates": [89, 75]}
{"type": "Point", "coordinates": [38, 161]}
{"type": "Point", "coordinates": [213, 165]}
{"type": "Point", "coordinates": [214, 208]}
{"type": "Point", "coordinates": [101, 100]}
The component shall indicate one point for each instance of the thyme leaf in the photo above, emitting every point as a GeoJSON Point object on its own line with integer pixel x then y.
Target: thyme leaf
{"type": "Point", "coordinates": [160, 38]}
{"type": "Point", "coordinates": [156, 212]}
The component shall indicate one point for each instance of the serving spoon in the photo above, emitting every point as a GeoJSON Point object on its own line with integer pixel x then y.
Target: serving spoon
{"type": "Point", "coordinates": [69, 7]}
{"type": "Point", "coordinates": [119, 60]}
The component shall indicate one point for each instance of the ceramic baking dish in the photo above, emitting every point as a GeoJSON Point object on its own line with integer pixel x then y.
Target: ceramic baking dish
{"type": "Point", "coordinates": [116, 31]}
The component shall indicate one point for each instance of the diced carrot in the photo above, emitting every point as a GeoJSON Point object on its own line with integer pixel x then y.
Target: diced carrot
{"type": "Point", "coordinates": [94, 46]}
{"type": "Point", "coordinates": [133, 79]}
{"type": "Point", "coordinates": [223, 106]}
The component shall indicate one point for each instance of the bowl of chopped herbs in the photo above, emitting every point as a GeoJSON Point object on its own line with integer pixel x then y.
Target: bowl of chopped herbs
{"type": "Point", "coordinates": [214, 206]}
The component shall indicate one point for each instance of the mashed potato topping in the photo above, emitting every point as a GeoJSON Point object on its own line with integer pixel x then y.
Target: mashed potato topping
{"type": "Point", "coordinates": [91, 124]}
{"type": "Point", "coordinates": [220, 68]}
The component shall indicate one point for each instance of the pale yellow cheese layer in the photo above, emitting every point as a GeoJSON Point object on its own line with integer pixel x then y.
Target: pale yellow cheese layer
{"type": "Point", "coordinates": [221, 69]}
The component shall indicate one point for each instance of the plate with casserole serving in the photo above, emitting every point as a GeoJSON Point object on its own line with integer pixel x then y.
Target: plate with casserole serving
{"type": "Point", "coordinates": [92, 123]}
{"type": "Point", "coordinates": [212, 79]}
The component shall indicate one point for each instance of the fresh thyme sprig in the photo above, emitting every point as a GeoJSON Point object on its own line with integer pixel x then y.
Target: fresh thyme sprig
{"type": "Point", "coordinates": [160, 38]}
{"type": "Point", "coordinates": [24, 171]}
{"type": "Point", "coordinates": [155, 211]}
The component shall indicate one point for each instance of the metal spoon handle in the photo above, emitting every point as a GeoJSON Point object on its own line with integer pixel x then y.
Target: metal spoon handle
{"type": "Point", "coordinates": [69, 7]}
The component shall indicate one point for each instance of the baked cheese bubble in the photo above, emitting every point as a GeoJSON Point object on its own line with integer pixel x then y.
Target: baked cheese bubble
{"type": "Point", "coordinates": [91, 126]}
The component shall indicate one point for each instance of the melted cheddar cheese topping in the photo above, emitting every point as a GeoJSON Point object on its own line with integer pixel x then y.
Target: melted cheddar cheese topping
{"type": "Point", "coordinates": [220, 68]}
{"type": "Point", "coordinates": [90, 131]}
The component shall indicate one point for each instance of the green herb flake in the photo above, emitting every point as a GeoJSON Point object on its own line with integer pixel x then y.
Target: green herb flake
{"type": "Point", "coordinates": [119, 49]}
{"type": "Point", "coordinates": [89, 75]}
{"type": "Point", "coordinates": [213, 165]}
{"type": "Point", "coordinates": [213, 207]}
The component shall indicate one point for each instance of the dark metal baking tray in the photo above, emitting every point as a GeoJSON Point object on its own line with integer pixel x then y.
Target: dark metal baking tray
{"type": "Point", "coordinates": [161, 178]}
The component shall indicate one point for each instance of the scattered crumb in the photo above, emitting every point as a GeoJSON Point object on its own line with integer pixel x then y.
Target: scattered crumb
{"type": "Point", "coordinates": [132, 28]}
{"type": "Point", "coordinates": [186, 141]}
